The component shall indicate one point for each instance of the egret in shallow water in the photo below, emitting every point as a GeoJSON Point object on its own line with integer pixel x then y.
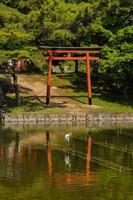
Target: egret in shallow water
{"type": "Point", "coordinates": [67, 137]}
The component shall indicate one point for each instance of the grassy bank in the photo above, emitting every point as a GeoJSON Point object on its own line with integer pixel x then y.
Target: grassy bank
{"type": "Point", "coordinates": [68, 94]}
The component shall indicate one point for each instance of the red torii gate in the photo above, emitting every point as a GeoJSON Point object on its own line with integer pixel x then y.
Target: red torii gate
{"type": "Point", "coordinates": [71, 53]}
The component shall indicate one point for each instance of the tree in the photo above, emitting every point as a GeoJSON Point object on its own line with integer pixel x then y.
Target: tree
{"type": "Point", "coordinates": [25, 25]}
{"type": "Point", "coordinates": [18, 33]}
{"type": "Point", "coordinates": [117, 52]}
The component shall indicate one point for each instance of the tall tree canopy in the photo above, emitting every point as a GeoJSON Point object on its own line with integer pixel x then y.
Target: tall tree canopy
{"type": "Point", "coordinates": [24, 25]}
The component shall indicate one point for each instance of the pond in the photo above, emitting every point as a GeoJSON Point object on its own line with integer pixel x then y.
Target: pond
{"type": "Point", "coordinates": [45, 163]}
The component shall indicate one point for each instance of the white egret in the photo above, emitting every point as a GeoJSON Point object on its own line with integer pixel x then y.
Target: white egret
{"type": "Point", "coordinates": [67, 137]}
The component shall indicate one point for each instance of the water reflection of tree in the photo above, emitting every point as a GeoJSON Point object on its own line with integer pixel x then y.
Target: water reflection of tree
{"type": "Point", "coordinates": [20, 159]}
{"type": "Point", "coordinates": [17, 158]}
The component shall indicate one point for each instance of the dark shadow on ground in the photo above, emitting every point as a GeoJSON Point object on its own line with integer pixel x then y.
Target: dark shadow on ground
{"type": "Point", "coordinates": [31, 104]}
{"type": "Point", "coordinates": [24, 90]}
{"type": "Point", "coordinates": [100, 89]}
{"type": "Point", "coordinates": [39, 99]}
{"type": "Point", "coordinates": [77, 98]}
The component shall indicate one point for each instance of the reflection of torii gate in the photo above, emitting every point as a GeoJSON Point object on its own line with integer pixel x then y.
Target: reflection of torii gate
{"type": "Point", "coordinates": [71, 53]}
{"type": "Point", "coordinates": [88, 158]}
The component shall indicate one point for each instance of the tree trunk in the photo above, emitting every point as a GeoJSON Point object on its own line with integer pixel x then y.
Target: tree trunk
{"type": "Point", "coordinates": [16, 88]}
{"type": "Point", "coordinates": [76, 66]}
{"type": "Point", "coordinates": [125, 93]}
{"type": "Point", "coordinates": [1, 96]}
{"type": "Point", "coordinates": [76, 43]}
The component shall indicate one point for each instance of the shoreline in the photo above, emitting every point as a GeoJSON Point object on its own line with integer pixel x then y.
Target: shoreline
{"type": "Point", "coordinates": [83, 118]}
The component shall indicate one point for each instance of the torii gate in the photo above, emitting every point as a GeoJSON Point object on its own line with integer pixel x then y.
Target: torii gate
{"type": "Point", "coordinates": [71, 53]}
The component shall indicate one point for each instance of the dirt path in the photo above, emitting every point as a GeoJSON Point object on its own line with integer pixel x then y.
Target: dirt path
{"type": "Point", "coordinates": [38, 88]}
{"type": "Point", "coordinates": [34, 88]}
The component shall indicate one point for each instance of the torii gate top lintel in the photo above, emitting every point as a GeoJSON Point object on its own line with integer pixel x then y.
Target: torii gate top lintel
{"type": "Point", "coordinates": [71, 53]}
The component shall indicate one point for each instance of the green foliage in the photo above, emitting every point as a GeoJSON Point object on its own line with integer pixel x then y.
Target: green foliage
{"type": "Point", "coordinates": [24, 25]}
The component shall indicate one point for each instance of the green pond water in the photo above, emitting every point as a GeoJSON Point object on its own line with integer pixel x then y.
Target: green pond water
{"type": "Point", "coordinates": [41, 164]}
